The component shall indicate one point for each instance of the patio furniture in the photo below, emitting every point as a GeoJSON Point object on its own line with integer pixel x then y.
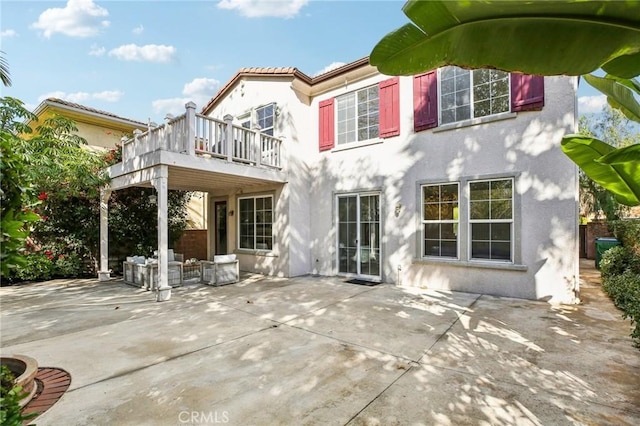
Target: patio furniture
{"type": "Point", "coordinates": [224, 269]}
{"type": "Point", "coordinates": [191, 269]}
{"type": "Point", "coordinates": [143, 272]}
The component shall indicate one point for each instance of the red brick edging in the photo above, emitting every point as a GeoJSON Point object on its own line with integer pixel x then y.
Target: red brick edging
{"type": "Point", "coordinates": [52, 384]}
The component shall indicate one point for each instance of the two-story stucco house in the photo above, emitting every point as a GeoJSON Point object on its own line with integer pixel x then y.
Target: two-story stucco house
{"type": "Point", "coordinates": [452, 179]}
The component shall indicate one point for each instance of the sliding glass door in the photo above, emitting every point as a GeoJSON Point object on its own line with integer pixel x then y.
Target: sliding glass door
{"type": "Point", "coordinates": [358, 219]}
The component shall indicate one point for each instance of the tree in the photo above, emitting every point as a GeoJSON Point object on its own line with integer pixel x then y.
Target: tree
{"type": "Point", "coordinates": [17, 199]}
{"type": "Point", "coordinates": [613, 126]}
{"type": "Point", "coordinates": [49, 198]}
{"type": "Point", "coordinates": [50, 159]}
{"type": "Point", "coordinates": [536, 37]}
{"type": "Point", "coordinates": [4, 71]}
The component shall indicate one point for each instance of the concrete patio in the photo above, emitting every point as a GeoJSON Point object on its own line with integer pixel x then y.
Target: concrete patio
{"type": "Point", "coordinates": [315, 350]}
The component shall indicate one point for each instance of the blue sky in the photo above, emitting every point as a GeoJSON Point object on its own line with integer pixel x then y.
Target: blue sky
{"type": "Point", "coordinates": [143, 59]}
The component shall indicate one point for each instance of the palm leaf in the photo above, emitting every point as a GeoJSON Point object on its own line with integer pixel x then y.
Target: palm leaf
{"type": "Point", "coordinates": [619, 94]}
{"type": "Point", "coordinates": [536, 37]}
{"type": "Point", "coordinates": [628, 154]}
{"type": "Point", "coordinates": [620, 176]}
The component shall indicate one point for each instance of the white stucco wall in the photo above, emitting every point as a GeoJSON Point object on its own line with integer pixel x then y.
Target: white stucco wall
{"type": "Point", "coordinates": [525, 146]}
{"type": "Point", "coordinates": [291, 256]}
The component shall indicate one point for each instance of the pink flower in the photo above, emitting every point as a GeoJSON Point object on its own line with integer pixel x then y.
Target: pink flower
{"type": "Point", "coordinates": [43, 196]}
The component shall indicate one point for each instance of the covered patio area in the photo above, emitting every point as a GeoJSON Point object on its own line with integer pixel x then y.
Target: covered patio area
{"type": "Point", "coordinates": [191, 152]}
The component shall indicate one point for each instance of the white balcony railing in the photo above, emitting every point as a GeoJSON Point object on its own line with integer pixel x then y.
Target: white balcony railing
{"type": "Point", "coordinates": [199, 135]}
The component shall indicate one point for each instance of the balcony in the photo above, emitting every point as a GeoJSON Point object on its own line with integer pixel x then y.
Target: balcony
{"type": "Point", "coordinates": [193, 145]}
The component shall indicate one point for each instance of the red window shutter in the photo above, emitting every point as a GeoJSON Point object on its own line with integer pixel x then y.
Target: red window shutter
{"type": "Point", "coordinates": [326, 124]}
{"type": "Point", "coordinates": [425, 101]}
{"type": "Point", "coordinates": [389, 107]}
{"type": "Point", "coordinates": [527, 92]}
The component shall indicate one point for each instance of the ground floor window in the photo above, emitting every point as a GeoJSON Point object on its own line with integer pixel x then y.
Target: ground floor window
{"type": "Point", "coordinates": [491, 219]}
{"type": "Point", "coordinates": [440, 220]}
{"type": "Point", "coordinates": [482, 208]}
{"type": "Point", "coordinates": [255, 223]}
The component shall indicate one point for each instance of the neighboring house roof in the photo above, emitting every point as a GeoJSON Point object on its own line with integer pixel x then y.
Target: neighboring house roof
{"type": "Point", "coordinates": [86, 114]}
{"type": "Point", "coordinates": [308, 85]}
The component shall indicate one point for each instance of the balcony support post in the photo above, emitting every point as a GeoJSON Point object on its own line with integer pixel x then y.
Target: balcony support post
{"type": "Point", "coordinates": [104, 274]}
{"type": "Point", "coordinates": [228, 119]}
{"type": "Point", "coordinates": [168, 140]}
{"type": "Point", "coordinates": [191, 128]}
{"type": "Point", "coordinates": [160, 184]}
{"type": "Point", "coordinates": [257, 144]}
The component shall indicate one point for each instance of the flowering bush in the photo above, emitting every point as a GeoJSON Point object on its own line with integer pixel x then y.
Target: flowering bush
{"type": "Point", "coordinates": [113, 156]}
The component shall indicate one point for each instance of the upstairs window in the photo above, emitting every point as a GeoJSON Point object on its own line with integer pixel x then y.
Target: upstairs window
{"type": "Point", "coordinates": [466, 94]}
{"type": "Point", "coordinates": [264, 116]}
{"type": "Point", "coordinates": [365, 114]}
{"type": "Point", "coordinates": [452, 95]}
{"type": "Point", "coordinates": [358, 115]}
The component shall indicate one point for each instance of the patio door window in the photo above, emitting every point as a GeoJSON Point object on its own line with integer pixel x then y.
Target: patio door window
{"type": "Point", "coordinates": [221, 227]}
{"type": "Point", "coordinates": [359, 229]}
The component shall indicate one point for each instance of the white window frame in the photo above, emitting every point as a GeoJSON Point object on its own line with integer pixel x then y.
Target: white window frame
{"type": "Point", "coordinates": [464, 227]}
{"type": "Point", "coordinates": [249, 119]}
{"type": "Point", "coordinates": [471, 103]}
{"type": "Point", "coordinates": [254, 222]}
{"type": "Point", "coordinates": [490, 221]}
{"type": "Point", "coordinates": [355, 118]}
{"type": "Point", "coordinates": [440, 221]}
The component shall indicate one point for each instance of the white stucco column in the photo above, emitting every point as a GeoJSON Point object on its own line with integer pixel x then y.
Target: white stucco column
{"type": "Point", "coordinates": [104, 274]}
{"type": "Point", "coordinates": [160, 184]}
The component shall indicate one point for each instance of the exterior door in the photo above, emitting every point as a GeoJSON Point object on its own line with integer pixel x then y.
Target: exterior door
{"type": "Point", "coordinates": [358, 218]}
{"type": "Point", "coordinates": [220, 208]}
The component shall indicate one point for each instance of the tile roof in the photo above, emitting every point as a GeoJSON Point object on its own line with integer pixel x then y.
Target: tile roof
{"type": "Point", "coordinates": [283, 71]}
{"type": "Point", "coordinates": [89, 109]}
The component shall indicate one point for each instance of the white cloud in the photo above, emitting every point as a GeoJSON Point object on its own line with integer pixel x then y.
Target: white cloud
{"type": "Point", "coordinates": [591, 104]}
{"type": "Point", "coordinates": [79, 18]}
{"type": "Point", "coordinates": [331, 66]}
{"type": "Point", "coordinates": [97, 50]}
{"type": "Point", "coordinates": [146, 53]}
{"type": "Point", "coordinates": [201, 87]}
{"type": "Point", "coordinates": [264, 8]}
{"type": "Point", "coordinates": [138, 30]}
{"type": "Point", "coordinates": [8, 34]}
{"type": "Point", "coordinates": [198, 90]}
{"type": "Point", "coordinates": [80, 97]}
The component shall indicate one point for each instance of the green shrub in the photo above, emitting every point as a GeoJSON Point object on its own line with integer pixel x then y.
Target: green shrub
{"type": "Point", "coordinates": [10, 396]}
{"type": "Point", "coordinates": [620, 269]}
{"type": "Point", "coordinates": [624, 290]}
{"type": "Point", "coordinates": [628, 232]}
{"type": "Point", "coordinates": [36, 267]}
{"type": "Point", "coordinates": [69, 266]}
{"type": "Point", "coordinates": [617, 260]}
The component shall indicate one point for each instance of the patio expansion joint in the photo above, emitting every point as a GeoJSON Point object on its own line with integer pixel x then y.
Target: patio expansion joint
{"type": "Point", "coordinates": [411, 367]}
{"type": "Point", "coordinates": [422, 361]}
{"type": "Point", "coordinates": [169, 359]}
{"type": "Point", "coordinates": [464, 311]}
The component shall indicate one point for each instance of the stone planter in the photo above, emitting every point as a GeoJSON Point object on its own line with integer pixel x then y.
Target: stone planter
{"type": "Point", "coordinates": [24, 368]}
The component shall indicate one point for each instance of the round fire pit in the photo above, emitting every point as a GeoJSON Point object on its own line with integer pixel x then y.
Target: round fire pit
{"type": "Point", "coordinates": [24, 368]}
